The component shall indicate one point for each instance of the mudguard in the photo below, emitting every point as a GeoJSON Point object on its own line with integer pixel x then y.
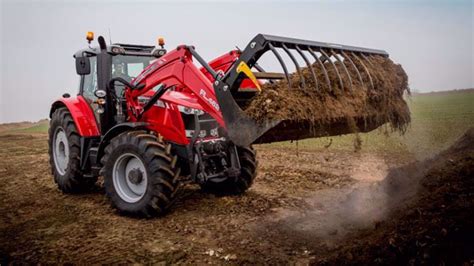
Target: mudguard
{"type": "Point", "coordinates": [82, 114]}
{"type": "Point", "coordinates": [115, 131]}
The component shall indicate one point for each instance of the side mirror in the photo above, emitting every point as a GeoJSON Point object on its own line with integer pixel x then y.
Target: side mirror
{"type": "Point", "coordinates": [83, 65]}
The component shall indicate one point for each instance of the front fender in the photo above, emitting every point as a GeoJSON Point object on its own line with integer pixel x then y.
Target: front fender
{"type": "Point", "coordinates": [115, 131]}
{"type": "Point", "coordinates": [81, 113]}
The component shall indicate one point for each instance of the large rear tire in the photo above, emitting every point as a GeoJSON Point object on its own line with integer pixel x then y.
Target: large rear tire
{"type": "Point", "coordinates": [65, 154]}
{"type": "Point", "coordinates": [140, 174]}
{"type": "Point", "coordinates": [236, 186]}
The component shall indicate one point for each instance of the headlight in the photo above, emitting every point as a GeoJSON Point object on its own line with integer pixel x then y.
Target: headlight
{"type": "Point", "coordinates": [189, 110]}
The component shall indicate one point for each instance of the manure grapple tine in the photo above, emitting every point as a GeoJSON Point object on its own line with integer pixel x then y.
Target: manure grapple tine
{"type": "Point", "coordinates": [282, 63]}
{"type": "Point", "coordinates": [344, 67]}
{"type": "Point", "coordinates": [366, 59]}
{"type": "Point", "coordinates": [354, 66]}
{"type": "Point", "coordinates": [334, 66]}
{"type": "Point", "coordinates": [309, 66]}
{"type": "Point", "coordinates": [313, 54]}
{"type": "Point", "coordinates": [366, 70]}
{"type": "Point", "coordinates": [371, 59]}
{"type": "Point", "coordinates": [298, 69]}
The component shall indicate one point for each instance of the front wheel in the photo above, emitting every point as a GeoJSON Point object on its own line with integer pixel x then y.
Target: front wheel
{"type": "Point", "coordinates": [240, 184]}
{"type": "Point", "coordinates": [140, 174]}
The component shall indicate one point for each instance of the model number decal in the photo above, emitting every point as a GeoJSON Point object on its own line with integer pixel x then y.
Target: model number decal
{"type": "Point", "coordinates": [209, 100]}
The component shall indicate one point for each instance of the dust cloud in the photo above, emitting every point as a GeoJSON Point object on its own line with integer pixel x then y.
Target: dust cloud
{"type": "Point", "coordinates": [332, 213]}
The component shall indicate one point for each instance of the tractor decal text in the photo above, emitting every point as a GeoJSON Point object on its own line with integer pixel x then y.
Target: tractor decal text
{"type": "Point", "coordinates": [209, 99]}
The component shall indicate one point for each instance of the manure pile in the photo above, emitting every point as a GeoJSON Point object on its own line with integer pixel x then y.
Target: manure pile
{"type": "Point", "coordinates": [432, 225]}
{"type": "Point", "coordinates": [361, 104]}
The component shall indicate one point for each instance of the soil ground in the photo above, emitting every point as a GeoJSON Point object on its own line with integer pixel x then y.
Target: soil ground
{"type": "Point", "coordinates": [311, 205]}
{"type": "Point", "coordinates": [296, 212]}
{"type": "Point", "coordinates": [40, 224]}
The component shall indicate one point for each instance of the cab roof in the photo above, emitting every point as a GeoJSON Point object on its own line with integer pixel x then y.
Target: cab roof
{"type": "Point", "coordinates": [128, 49]}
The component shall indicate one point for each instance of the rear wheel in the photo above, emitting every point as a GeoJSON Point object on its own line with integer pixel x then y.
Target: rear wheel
{"type": "Point", "coordinates": [240, 184]}
{"type": "Point", "coordinates": [140, 174]}
{"type": "Point", "coordinates": [64, 154]}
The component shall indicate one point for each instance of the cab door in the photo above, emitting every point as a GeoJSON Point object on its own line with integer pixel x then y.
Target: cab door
{"type": "Point", "coordinates": [89, 85]}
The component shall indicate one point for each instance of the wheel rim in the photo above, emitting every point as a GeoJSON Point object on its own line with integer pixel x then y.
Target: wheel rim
{"type": "Point", "coordinates": [129, 177]}
{"type": "Point", "coordinates": [60, 150]}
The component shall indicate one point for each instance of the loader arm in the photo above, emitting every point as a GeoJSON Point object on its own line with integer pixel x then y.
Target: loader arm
{"type": "Point", "coordinates": [177, 70]}
{"type": "Point", "coordinates": [222, 63]}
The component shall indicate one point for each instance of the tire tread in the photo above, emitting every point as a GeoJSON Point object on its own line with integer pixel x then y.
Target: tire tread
{"type": "Point", "coordinates": [73, 181]}
{"type": "Point", "coordinates": [157, 158]}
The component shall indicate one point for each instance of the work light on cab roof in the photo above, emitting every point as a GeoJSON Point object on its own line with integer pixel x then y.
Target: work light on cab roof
{"type": "Point", "coordinates": [90, 36]}
{"type": "Point", "coordinates": [161, 41]}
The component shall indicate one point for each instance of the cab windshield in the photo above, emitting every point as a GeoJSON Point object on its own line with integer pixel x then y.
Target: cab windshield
{"type": "Point", "coordinates": [128, 67]}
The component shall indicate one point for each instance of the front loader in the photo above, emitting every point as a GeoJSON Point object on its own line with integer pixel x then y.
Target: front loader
{"type": "Point", "coordinates": [148, 119]}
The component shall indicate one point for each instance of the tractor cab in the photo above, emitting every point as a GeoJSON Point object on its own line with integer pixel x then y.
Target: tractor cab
{"type": "Point", "coordinates": [96, 66]}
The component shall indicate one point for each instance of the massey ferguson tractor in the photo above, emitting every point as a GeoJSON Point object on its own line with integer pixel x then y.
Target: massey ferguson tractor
{"type": "Point", "coordinates": [146, 118]}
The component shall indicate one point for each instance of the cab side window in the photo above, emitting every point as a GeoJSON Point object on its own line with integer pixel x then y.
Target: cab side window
{"type": "Point", "coordinates": [89, 84]}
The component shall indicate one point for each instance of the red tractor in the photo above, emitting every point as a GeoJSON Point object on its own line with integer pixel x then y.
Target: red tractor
{"type": "Point", "coordinates": [145, 117]}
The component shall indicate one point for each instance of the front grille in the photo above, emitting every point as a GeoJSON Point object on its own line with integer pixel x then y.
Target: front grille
{"type": "Point", "coordinates": [208, 125]}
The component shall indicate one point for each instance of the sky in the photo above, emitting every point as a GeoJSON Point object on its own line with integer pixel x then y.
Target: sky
{"type": "Point", "coordinates": [432, 40]}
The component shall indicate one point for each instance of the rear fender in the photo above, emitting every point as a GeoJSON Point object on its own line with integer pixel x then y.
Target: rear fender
{"type": "Point", "coordinates": [81, 114]}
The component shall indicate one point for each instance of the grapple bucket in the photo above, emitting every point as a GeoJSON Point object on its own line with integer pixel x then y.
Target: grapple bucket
{"type": "Point", "coordinates": [320, 60]}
